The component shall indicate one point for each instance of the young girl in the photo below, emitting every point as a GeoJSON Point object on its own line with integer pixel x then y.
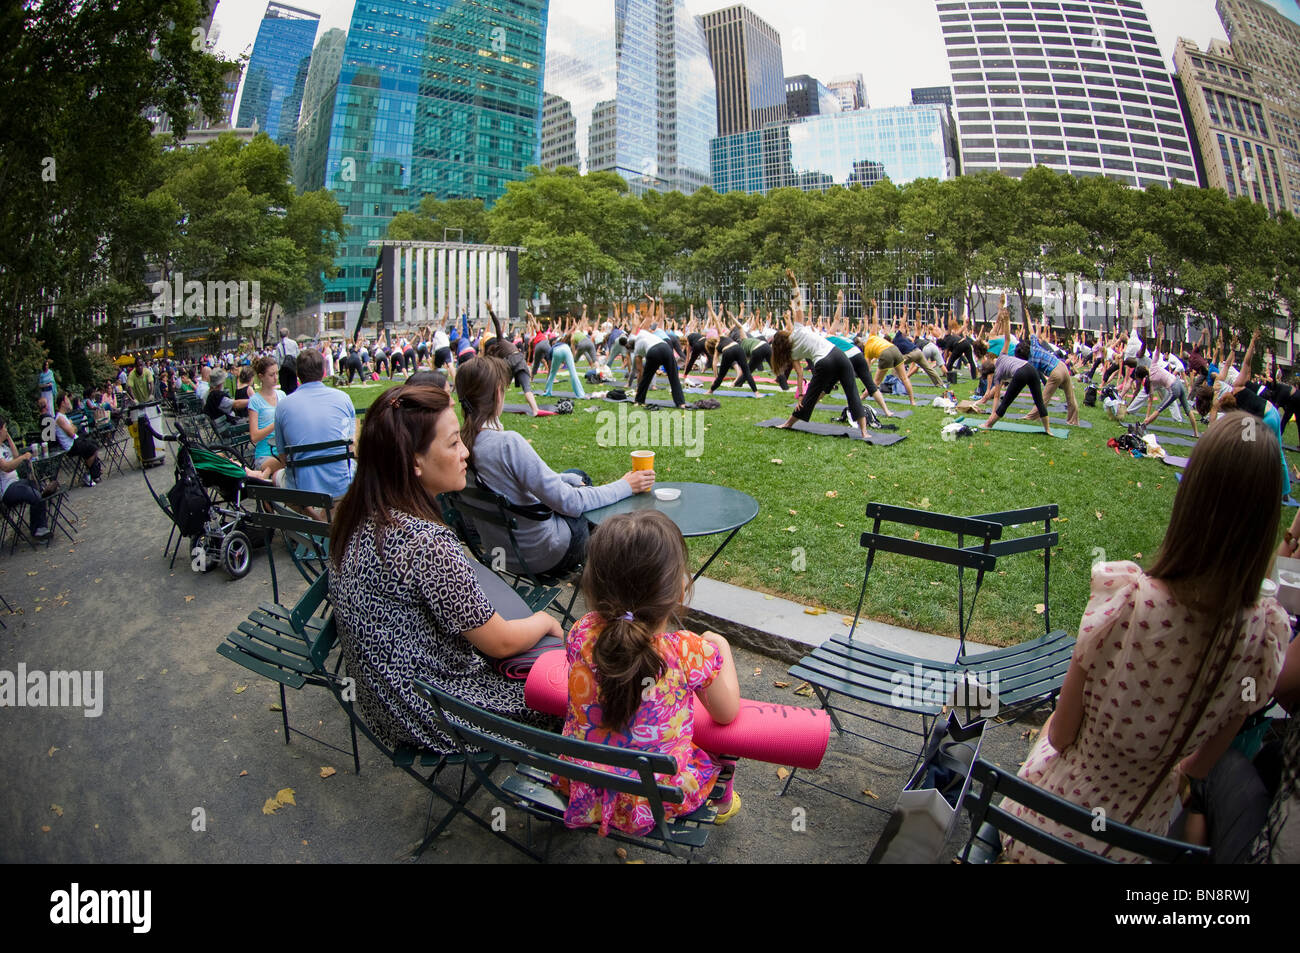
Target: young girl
{"type": "Point", "coordinates": [633, 680]}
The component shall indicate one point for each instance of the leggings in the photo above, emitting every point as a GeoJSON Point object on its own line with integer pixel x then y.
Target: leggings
{"type": "Point", "coordinates": [1176, 393]}
{"type": "Point", "coordinates": [408, 359]}
{"type": "Point", "coordinates": [734, 355]}
{"type": "Point", "coordinates": [661, 355]}
{"type": "Point", "coordinates": [762, 354]}
{"type": "Point", "coordinates": [563, 353]}
{"type": "Point", "coordinates": [381, 361]}
{"type": "Point", "coordinates": [963, 350]}
{"type": "Point", "coordinates": [1027, 376]}
{"type": "Point", "coordinates": [1291, 409]}
{"type": "Point", "coordinates": [25, 491]}
{"type": "Point", "coordinates": [542, 352]}
{"type": "Point", "coordinates": [587, 349]}
{"type": "Point", "coordinates": [862, 371]}
{"type": "Point", "coordinates": [832, 369]}
{"type": "Point", "coordinates": [352, 364]}
{"type": "Point", "coordinates": [441, 357]}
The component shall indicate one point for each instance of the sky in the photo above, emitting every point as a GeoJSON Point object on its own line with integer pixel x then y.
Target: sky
{"type": "Point", "coordinates": [894, 44]}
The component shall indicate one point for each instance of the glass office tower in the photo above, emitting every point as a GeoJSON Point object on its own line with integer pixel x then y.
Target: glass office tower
{"type": "Point", "coordinates": [277, 72]}
{"type": "Point", "coordinates": [433, 97]}
{"type": "Point", "coordinates": [861, 147]}
{"type": "Point", "coordinates": [1076, 86]}
{"type": "Point", "coordinates": [630, 90]}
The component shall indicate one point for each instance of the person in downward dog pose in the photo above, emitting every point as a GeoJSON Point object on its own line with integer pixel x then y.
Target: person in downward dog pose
{"type": "Point", "coordinates": [500, 346]}
{"type": "Point", "coordinates": [797, 343]}
{"type": "Point", "coordinates": [1019, 374]}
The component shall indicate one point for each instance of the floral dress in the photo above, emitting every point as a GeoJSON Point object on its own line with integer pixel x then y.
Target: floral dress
{"type": "Point", "coordinates": [1140, 649]}
{"type": "Point", "coordinates": [664, 724]}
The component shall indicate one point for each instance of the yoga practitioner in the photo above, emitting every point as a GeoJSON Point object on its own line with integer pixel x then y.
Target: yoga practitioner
{"type": "Point", "coordinates": [499, 346]}
{"type": "Point", "coordinates": [797, 343]}
{"type": "Point", "coordinates": [652, 353]}
{"type": "Point", "coordinates": [730, 352]}
{"type": "Point", "coordinates": [913, 353]}
{"type": "Point", "coordinates": [839, 336]}
{"type": "Point", "coordinates": [1054, 370]}
{"type": "Point", "coordinates": [1018, 373]}
{"type": "Point", "coordinates": [561, 353]}
{"type": "Point", "coordinates": [885, 353]}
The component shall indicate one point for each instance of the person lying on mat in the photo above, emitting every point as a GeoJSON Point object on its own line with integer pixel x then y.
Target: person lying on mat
{"type": "Point", "coordinates": [798, 343]}
{"type": "Point", "coordinates": [634, 676]}
{"type": "Point", "coordinates": [406, 600]}
{"type": "Point", "coordinates": [1153, 695]}
{"type": "Point", "coordinates": [552, 532]}
{"type": "Point", "coordinates": [1018, 374]}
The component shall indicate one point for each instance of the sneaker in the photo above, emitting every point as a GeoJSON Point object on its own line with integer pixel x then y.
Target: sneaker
{"type": "Point", "coordinates": [86, 480]}
{"type": "Point", "coordinates": [41, 533]}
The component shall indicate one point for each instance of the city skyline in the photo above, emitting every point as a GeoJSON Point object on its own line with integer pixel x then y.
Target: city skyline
{"type": "Point", "coordinates": [819, 37]}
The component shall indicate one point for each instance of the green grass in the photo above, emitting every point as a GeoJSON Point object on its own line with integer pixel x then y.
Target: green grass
{"type": "Point", "coordinates": [1114, 504]}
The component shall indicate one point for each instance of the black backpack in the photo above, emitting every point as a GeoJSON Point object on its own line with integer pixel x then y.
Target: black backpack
{"type": "Point", "coordinates": [1090, 396]}
{"type": "Point", "coordinates": [188, 499]}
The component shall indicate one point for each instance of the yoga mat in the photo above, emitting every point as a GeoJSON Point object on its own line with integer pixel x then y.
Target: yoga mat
{"type": "Point", "coordinates": [543, 410]}
{"type": "Point", "coordinates": [777, 734]}
{"type": "Point", "coordinates": [1060, 433]}
{"type": "Point", "coordinates": [1179, 462]}
{"type": "Point", "coordinates": [1173, 430]}
{"type": "Point", "coordinates": [1053, 421]}
{"type": "Point", "coordinates": [836, 408]}
{"type": "Point", "coordinates": [569, 394]}
{"type": "Point", "coordinates": [661, 404]}
{"type": "Point", "coordinates": [838, 430]}
{"type": "Point", "coordinates": [1164, 439]}
{"type": "Point", "coordinates": [723, 392]}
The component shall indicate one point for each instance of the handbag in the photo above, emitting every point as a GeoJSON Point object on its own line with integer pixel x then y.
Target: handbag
{"type": "Point", "coordinates": [929, 806]}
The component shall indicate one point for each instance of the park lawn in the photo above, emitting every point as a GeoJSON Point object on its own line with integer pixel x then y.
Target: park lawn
{"type": "Point", "coordinates": [804, 544]}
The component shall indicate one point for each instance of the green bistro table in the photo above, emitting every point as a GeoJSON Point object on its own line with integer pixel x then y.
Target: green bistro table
{"type": "Point", "coordinates": [703, 509]}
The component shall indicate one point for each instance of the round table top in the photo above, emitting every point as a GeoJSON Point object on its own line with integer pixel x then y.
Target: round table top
{"type": "Point", "coordinates": [702, 510]}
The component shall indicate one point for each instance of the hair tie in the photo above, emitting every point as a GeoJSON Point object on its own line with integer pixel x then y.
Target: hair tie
{"type": "Point", "coordinates": [627, 617]}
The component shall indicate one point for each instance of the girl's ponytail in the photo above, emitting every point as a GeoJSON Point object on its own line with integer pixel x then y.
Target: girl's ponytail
{"type": "Point", "coordinates": [626, 664]}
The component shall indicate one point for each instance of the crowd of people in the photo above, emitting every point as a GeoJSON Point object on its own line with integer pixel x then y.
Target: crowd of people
{"type": "Point", "coordinates": [1153, 749]}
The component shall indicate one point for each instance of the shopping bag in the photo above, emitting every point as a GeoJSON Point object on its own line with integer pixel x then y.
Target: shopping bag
{"type": "Point", "coordinates": [925, 817]}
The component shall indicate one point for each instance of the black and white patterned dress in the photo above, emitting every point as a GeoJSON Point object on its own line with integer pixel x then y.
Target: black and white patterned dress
{"type": "Point", "coordinates": [402, 617]}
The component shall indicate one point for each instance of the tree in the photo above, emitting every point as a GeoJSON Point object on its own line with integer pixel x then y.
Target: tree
{"type": "Point", "coordinates": [435, 217]}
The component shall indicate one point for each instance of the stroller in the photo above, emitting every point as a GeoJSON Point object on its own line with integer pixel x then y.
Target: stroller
{"type": "Point", "coordinates": [207, 506]}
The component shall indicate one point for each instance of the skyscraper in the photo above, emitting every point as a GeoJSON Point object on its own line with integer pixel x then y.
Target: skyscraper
{"type": "Point", "coordinates": [1267, 42]}
{"type": "Point", "coordinates": [852, 92]}
{"type": "Point", "coordinates": [1238, 146]}
{"type": "Point", "coordinates": [747, 67]}
{"type": "Point", "coordinates": [808, 96]}
{"type": "Point", "coordinates": [277, 72]}
{"type": "Point", "coordinates": [842, 148]}
{"type": "Point", "coordinates": [630, 90]}
{"type": "Point", "coordinates": [1078, 87]}
{"type": "Point", "coordinates": [924, 95]}
{"type": "Point", "coordinates": [317, 113]}
{"type": "Point", "coordinates": [432, 97]}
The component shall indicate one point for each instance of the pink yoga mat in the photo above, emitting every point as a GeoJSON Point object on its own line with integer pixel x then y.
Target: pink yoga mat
{"type": "Point", "coordinates": [779, 734]}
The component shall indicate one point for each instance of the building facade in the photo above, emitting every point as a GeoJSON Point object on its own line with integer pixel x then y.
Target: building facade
{"type": "Point", "coordinates": [1078, 87]}
{"type": "Point", "coordinates": [1238, 147]}
{"type": "Point", "coordinates": [317, 113]}
{"type": "Point", "coordinates": [432, 97]}
{"type": "Point", "coordinates": [852, 92]}
{"type": "Point", "coordinates": [1267, 43]}
{"type": "Point", "coordinates": [629, 90]}
{"type": "Point", "coordinates": [277, 72]}
{"type": "Point", "coordinates": [807, 96]}
{"type": "Point", "coordinates": [747, 66]}
{"type": "Point", "coordinates": [861, 147]}
{"type": "Point", "coordinates": [927, 95]}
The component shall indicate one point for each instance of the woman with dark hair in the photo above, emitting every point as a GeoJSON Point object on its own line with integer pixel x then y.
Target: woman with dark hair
{"type": "Point", "coordinates": [407, 602]}
{"type": "Point", "coordinates": [1154, 693]}
{"type": "Point", "coordinates": [796, 344]}
{"type": "Point", "coordinates": [552, 533]}
{"type": "Point", "coordinates": [501, 347]}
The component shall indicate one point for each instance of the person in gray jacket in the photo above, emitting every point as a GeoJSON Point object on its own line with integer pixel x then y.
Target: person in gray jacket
{"type": "Point", "coordinates": [548, 506]}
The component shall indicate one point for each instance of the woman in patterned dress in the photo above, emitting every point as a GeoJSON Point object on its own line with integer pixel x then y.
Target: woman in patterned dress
{"type": "Point", "coordinates": [406, 601]}
{"type": "Point", "coordinates": [1156, 690]}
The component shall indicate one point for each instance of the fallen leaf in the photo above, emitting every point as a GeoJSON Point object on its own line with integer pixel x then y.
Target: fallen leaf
{"type": "Point", "coordinates": [769, 598]}
{"type": "Point", "coordinates": [56, 809]}
{"type": "Point", "coordinates": [31, 574]}
{"type": "Point", "coordinates": [45, 828]}
{"type": "Point", "coordinates": [810, 610]}
{"type": "Point", "coordinates": [1040, 608]}
{"type": "Point", "coordinates": [871, 794]}
{"type": "Point", "coordinates": [780, 684]}
{"type": "Point", "coordinates": [840, 525]}
{"type": "Point", "coordinates": [1137, 555]}
{"type": "Point", "coordinates": [794, 512]}
{"type": "Point", "coordinates": [240, 689]}
{"type": "Point", "coordinates": [271, 806]}
{"type": "Point", "coordinates": [846, 619]}
{"type": "Point", "coordinates": [775, 460]}
{"type": "Point", "coordinates": [275, 707]}
{"type": "Point", "coordinates": [831, 494]}
{"type": "Point", "coordinates": [39, 608]}
{"type": "Point", "coordinates": [99, 580]}
{"type": "Point", "coordinates": [917, 534]}
{"type": "Point", "coordinates": [1030, 733]}
{"type": "Point", "coordinates": [805, 690]}
{"type": "Point", "coordinates": [304, 843]}
{"type": "Point", "coordinates": [285, 796]}
{"type": "Point", "coordinates": [189, 598]}
{"type": "Point", "coordinates": [925, 502]}
{"type": "Point", "coordinates": [243, 774]}
{"type": "Point", "coordinates": [621, 853]}
{"type": "Point", "coordinates": [327, 772]}
{"type": "Point", "coordinates": [757, 670]}
{"type": "Point", "coordinates": [870, 476]}
{"type": "Point", "coordinates": [792, 529]}
{"type": "Point", "coordinates": [782, 773]}
{"type": "Point", "coordinates": [51, 751]}
{"type": "Point", "coordinates": [1098, 513]}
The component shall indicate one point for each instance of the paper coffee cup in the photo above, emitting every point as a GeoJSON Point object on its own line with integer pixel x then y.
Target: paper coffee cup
{"type": "Point", "coordinates": [643, 459]}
